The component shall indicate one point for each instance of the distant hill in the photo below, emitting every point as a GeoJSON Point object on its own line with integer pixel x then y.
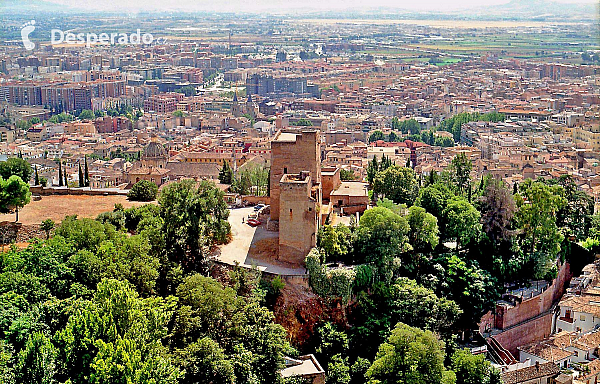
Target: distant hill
{"type": "Point", "coordinates": [543, 10]}
{"type": "Point", "coordinates": [24, 6]}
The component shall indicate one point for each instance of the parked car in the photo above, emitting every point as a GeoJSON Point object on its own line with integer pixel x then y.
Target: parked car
{"type": "Point", "coordinates": [253, 222]}
{"type": "Point", "coordinates": [258, 207]}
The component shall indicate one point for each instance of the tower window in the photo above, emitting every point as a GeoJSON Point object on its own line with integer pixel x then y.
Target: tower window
{"type": "Point", "coordinates": [285, 170]}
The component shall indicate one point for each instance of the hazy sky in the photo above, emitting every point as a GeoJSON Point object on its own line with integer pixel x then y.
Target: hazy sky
{"type": "Point", "coordinates": [228, 5]}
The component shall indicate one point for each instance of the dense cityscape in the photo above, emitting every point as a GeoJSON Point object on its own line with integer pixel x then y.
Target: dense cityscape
{"type": "Point", "coordinates": [360, 195]}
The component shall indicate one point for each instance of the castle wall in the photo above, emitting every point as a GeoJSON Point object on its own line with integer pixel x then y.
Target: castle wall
{"type": "Point", "coordinates": [531, 320]}
{"type": "Point", "coordinates": [509, 316]}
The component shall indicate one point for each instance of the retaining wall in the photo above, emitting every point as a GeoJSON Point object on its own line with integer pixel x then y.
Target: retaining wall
{"type": "Point", "coordinates": [46, 191]}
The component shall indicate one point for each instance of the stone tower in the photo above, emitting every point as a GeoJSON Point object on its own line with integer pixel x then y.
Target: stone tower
{"type": "Point", "coordinates": [296, 191]}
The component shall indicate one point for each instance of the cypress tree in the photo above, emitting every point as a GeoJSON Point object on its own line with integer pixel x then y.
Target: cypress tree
{"type": "Point", "coordinates": [60, 176]}
{"type": "Point", "coordinates": [432, 177]}
{"type": "Point", "coordinates": [81, 180]}
{"type": "Point", "coordinates": [37, 178]}
{"type": "Point", "coordinates": [65, 175]}
{"type": "Point", "coordinates": [86, 178]}
{"type": "Point", "coordinates": [269, 184]}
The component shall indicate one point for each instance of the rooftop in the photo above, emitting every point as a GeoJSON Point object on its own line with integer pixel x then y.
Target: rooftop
{"type": "Point", "coordinates": [351, 188]}
{"type": "Point", "coordinates": [303, 366]}
{"type": "Point", "coordinates": [286, 137]}
{"type": "Point", "coordinates": [533, 372]}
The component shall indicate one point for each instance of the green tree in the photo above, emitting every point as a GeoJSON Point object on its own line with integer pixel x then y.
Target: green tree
{"type": "Point", "coordinates": [80, 177]}
{"type": "Point", "coordinates": [398, 184]}
{"type": "Point", "coordinates": [393, 137]}
{"type": "Point", "coordinates": [60, 178]}
{"type": "Point", "coordinates": [244, 329]}
{"type": "Point", "coordinates": [575, 216]}
{"type": "Point", "coordinates": [188, 90]}
{"type": "Point", "coordinates": [7, 374]}
{"type": "Point", "coordinates": [226, 173]}
{"type": "Point", "coordinates": [332, 342]}
{"type": "Point", "coordinates": [443, 142]}
{"type": "Point", "coordinates": [402, 301]}
{"type": "Point", "coordinates": [347, 175]}
{"type": "Point", "coordinates": [470, 369]}
{"type": "Point", "coordinates": [372, 169]}
{"type": "Point", "coordinates": [16, 166]}
{"type": "Point", "coordinates": [424, 232]}
{"type": "Point", "coordinates": [540, 238]}
{"type": "Point", "coordinates": [143, 190]}
{"type": "Point", "coordinates": [37, 361]}
{"type": "Point", "coordinates": [472, 288]}
{"type": "Point", "coordinates": [410, 356]}
{"type": "Point", "coordinates": [461, 167]}
{"type": "Point", "coordinates": [382, 237]}
{"type": "Point", "coordinates": [47, 226]}
{"type": "Point", "coordinates": [376, 136]}
{"type": "Point", "coordinates": [36, 178]}
{"type": "Point", "coordinates": [193, 218]}
{"type": "Point", "coordinates": [86, 172]}
{"type": "Point", "coordinates": [86, 114]}
{"type": "Point", "coordinates": [117, 336]}
{"type": "Point", "coordinates": [338, 371]}
{"type": "Point", "coordinates": [434, 198]}
{"type": "Point", "coordinates": [302, 123]}
{"type": "Point", "coordinates": [335, 243]}
{"type": "Point", "coordinates": [462, 221]}
{"type": "Point", "coordinates": [205, 361]}
{"type": "Point", "coordinates": [14, 194]}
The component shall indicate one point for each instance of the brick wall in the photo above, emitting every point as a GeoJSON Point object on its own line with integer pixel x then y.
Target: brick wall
{"type": "Point", "coordinates": [526, 333]}
{"type": "Point", "coordinates": [16, 232]}
{"type": "Point", "coordinates": [516, 324]}
{"type": "Point", "coordinates": [45, 191]}
{"type": "Point", "coordinates": [509, 316]}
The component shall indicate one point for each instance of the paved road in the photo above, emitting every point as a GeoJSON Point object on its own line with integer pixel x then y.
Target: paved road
{"type": "Point", "coordinates": [244, 236]}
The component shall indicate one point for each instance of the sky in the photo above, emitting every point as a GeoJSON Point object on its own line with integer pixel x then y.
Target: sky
{"type": "Point", "coordinates": [257, 5]}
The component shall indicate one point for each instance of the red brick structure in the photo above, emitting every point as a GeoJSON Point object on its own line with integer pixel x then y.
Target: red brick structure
{"type": "Point", "coordinates": [528, 321]}
{"type": "Point", "coordinates": [296, 192]}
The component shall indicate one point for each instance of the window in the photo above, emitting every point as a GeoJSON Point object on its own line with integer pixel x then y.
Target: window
{"type": "Point", "coordinates": [284, 170]}
{"type": "Point", "coordinates": [582, 317]}
{"type": "Point", "coordinates": [568, 313]}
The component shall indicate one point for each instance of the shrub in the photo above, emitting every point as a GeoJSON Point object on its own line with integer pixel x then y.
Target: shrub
{"type": "Point", "coordinates": [143, 190]}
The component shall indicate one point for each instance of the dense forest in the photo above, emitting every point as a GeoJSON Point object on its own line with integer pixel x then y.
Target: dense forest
{"type": "Point", "coordinates": [128, 297]}
{"type": "Point", "coordinates": [425, 264]}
